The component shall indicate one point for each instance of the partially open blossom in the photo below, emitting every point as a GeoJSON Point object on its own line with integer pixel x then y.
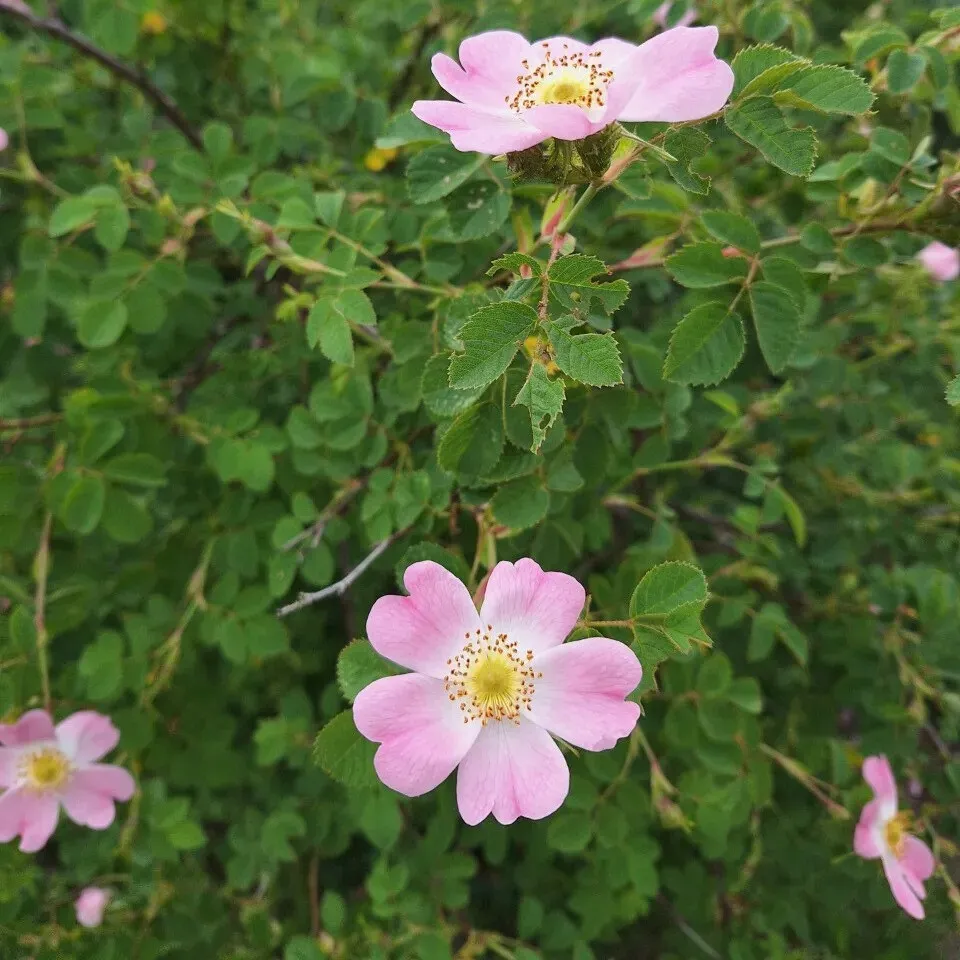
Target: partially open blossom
{"type": "Point", "coordinates": [489, 688]}
{"type": "Point", "coordinates": [43, 767]}
{"type": "Point", "coordinates": [514, 94]}
{"type": "Point", "coordinates": [90, 906]}
{"type": "Point", "coordinates": [883, 833]}
{"type": "Point", "coordinates": [4, 140]}
{"type": "Point", "coordinates": [663, 11]}
{"type": "Point", "coordinates": [941, 262]}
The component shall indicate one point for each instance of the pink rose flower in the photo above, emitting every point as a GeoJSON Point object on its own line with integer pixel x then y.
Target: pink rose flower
{"type": "Point", "coordinates": [4, 140]}
{"type": "Point", "coordinates": [489, 688]}
{"type": "Point", "coordinates": [663, 11]}
{"type": "Point", "coordinates": [941, 262]}
{"type": "Point", "coordinates": [90, 906]}
{"type": "Point", "coordinates": [514, 94]}
{"type": "Point", "coordinates": [43, 768]}
{"type": "Point", "coordinates": [882, 833]}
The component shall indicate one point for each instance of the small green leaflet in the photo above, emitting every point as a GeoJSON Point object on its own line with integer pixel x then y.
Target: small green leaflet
{"type": "Point", "coordinates": [330, 321]}
{"type": "Point", "coordinates": [521, 503]}
{"type": "Point", "coordinates": [702, 265]}
{"type": "Point", "coordinates": [478, 210]}
{"type": "Point", "coordinates": [544, 399]}
{"type": "Point", "coordinates": [438, 171]}
{"type": "Point", "coordinates": [760, 123]}
{"type": "Point", "coordinates": [687, 144]}
{"type": "Point", "coordinates": [491, 339]}
{"type": "Point", "coordinates": [344, 754]}
{"type": "Point", "coordinates": [705, 347]}
{"type": "Point", "coordinates": [591, 358]}
{"type": "Point", "coordinates": [776, 317]}
{"type": "Point", "coordinates": [573, 286]}
{"type": "Point", "coordinates": [828, 88]}
{"type": "Point", "coordinates": [732, 228]}
{"type": "Point", "coordinates": [953, 392]}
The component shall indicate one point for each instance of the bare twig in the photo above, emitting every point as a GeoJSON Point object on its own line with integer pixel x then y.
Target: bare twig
{"type": "Point", "coordinates": [41, 570]}
{"type": "Point", "coordinates": [339, 588]}
{"type": "Point", "coordinates": [314, 533]}
{"type": "Point", "coordinates": [30, 423]}
{"type": "Point", "coordinates": [56, 28]}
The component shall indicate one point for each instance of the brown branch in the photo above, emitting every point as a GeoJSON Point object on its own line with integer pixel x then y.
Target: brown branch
{"type": "Point", "coordinates": [56, 28]}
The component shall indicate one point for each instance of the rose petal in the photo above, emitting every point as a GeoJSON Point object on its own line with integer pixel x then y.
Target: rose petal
{"type": "Point", "coordinates": [87, 736]}
{"type": "Point", "coordinates": [513, 770]}
{"type": "Point", "coordinates": [90, 906]}
{"type": "Point", "coordinates": [535, 608]}
{"type": "Point", "coordinates": [580, 695]}
{"type": "Point", "coordinates": [868, 837]}
{"type": "Point", "coordinates": [422, 735]}
{"type": "Point", "coordinates": [9, 763]}
{"type": "Point", "coordinates": [4, 140]}
{"type": "Point", "coordinates": [424, 630]}
{"type": "Point", "coordinates": [901, 889]}
{"type": "Point", "coordinates": [472, 129]}
{"type": "Point", "coordinates": [917, 859]}
{"type": "Point", "coordinates": [680, 78]}
{"type": "Point", "coordinates": [877, 772]}
{"type": "Point", "coordinates": [34, 725]}
{"type": "Point", "coordinates": [488, 68]}
{"type": "Point", "coordinates": [563, 121]}
{"type": "Point", "coordinates": [941, 262]}
{"type": "Point", "coordinates": [89, 796]}
{"type": "Point", "coordinates": [32, 816]}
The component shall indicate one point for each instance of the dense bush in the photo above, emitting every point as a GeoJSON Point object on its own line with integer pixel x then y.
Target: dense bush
{"type": "Point", "coordinates": [251, 339]}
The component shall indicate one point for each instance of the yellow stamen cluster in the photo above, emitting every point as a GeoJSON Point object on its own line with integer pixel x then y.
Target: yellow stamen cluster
{"type": "Point", "coordinates": [490, 678]}
{"type": "Point", "coordinates": [562, 77]}
{"type": "Point", "coordinates": [896, 831]}
{"type": "Point", "coordinates": [44, 769]}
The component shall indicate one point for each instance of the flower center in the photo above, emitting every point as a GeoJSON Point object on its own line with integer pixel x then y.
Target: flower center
{"type": "Point", "coordinates": [46, 769]}
{"type": "Point", "coordinates": [896, 831]}
{"type": "Point", "coordinates": [490, 678]}
{"type": "Point", "coordinates": [562, 77]}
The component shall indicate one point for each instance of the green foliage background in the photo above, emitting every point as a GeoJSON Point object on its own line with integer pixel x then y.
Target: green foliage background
{"type": "Point", "coordinates": [226, 377]}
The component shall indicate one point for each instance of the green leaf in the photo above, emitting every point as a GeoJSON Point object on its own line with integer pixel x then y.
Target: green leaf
{"type": "Point", "coordinates": [828, 88]}
{"type": "Point", "coordinates": [101, 666]}
{"type": "Point", "coordinates": [544, 399]}
{"type": "Point", "coordinates": [953, 392]}
{"type": "Point", "coordinates": [785, 273]}
{"type": "Point", "coordinates": [304, 948]}
{"type": "Point", "coordinates": [794, 515]}
{"type": "Point", "coordinates": [439, 397]}
{"type": "Point", "coordinates": [904, 70]}
{"type": "Point", "coordinates": [474, 441]}
{"type": "Point", "coordinates": [702, 265]}
{"type": "Point", "coordinates": [358, 665]}
{"type": "Point", "coordinates": [776, 318]}
{"type": "Point", "coordinates": [330, 323]}
{"type": "Point", "coordinates": [745, 693]}
{"type": "Point", "coordinates": [478, 210]}
{"type": "Point", "coordinates": [881, 39]}
{"type": "Point", "coordinates": [669, 588]}
{"type": "Point", "coordinates": [719, 719]}
{"type": "Point", "coordinates": [753, 63]}
{"type": "Point", "coordinates": [705, 347]}
{"type": "Point", "coordinates": [101, 324]}
{"type": "Point", "coordinates": [715, 676]}
{"type": "Point", "coordinates": [491, 339]}
{"type": "Point", "coordinates": [72, 214]}
{"type": "Point", "coordinates": [344, 754]}
{"type": "Point", "coordinates": [404, 129]}
{"type": "Point", "coordinates": [140, 469]}
{"type": "Point", "coordinates": [513, 262]}
{"type": "Point", "coordinates": [687, 144]}
{"type": "Point", "coordinates": [733, 229]}
{"type": "Point", "coordinates": [865, 252]}
{"type": "Point", "coordinates": [817, 238]}
{"type": "Point", "coordinates": [113, 224]}
{"type": "Point", "coordinates": [82, 507]}
{"type": "Point", "coordinates": [125, 519]}
{"type": "Point", "coordinates": [520, 503]}
{"type": "Point", "coordinates": [431, 551]}
{"type": "Point", "coordinates": [438, 171]}
{"type": "Point", "coordinates": [569, 831]}
{"type": "Point", "coordinates": [572, 284]}
{"type": "Point", "coordinates": [591, 358]}
{"type": "Point", "coordinates": [760, 123]}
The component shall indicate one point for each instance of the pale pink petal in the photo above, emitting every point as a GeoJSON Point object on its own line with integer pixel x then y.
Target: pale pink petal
{"type": "Point", "coordinates": [9, 762]}
{"type": "Point", "coordinates": [534, 608]}
{"type": "Point", "coordinates": [4, 140]}
{"type": "Point", "coordinates": [513, 770]}
{"type": "Point", "coordinates": [13, 814]}
{"type": "Point", "coordinates": [488, 68]}
{"type": "Point", "coordinates": [868, 837]}
{"type": "Point", "coordinates": [90, 906]}
{"type": "Point", "coordinates": [579, 696]}
{"type": "Point", "coordinates": [877, 773]}
{"type": "Point", "coordinates": [422, 735]}
{"type": "Point", "coordinates": [38, 818]}
{"type": "Point", "coordinates": [680, 78]}
{"type": "Point", "coordinates": [89, 796]}
{"type": "Point", "coordinates": [917, 858]}
{"type": "Point", "coordinates": [34, 725]}
{"type": "Point", "coordinates": [905, 896]}
{"type": "Point", "coordinates": [424, 630]}
{"type": "Point", "coordinates": [87, 736]}
{"type": "Point", "coordinates": [563, 121]}
{"type": "Point", "coordinates": [472, 129]}
{"type": "Point", "coordinates": [941, 262]}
